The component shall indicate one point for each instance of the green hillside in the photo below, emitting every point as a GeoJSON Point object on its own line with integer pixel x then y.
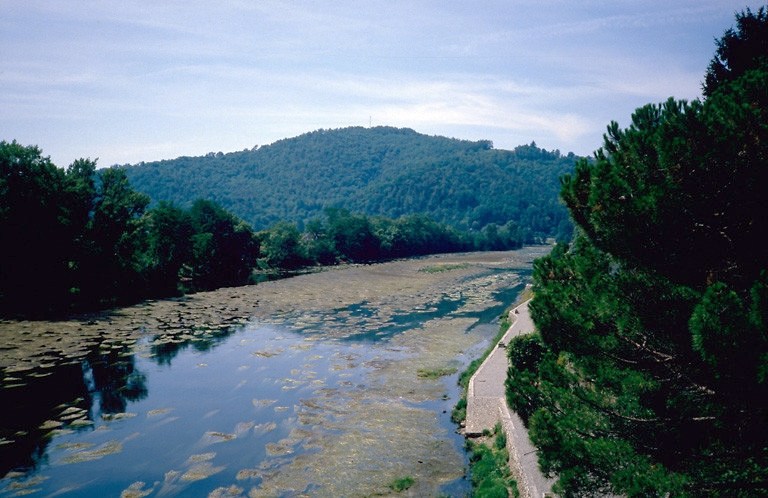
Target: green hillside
{"type": "Point", "coordinates": [376, 171]}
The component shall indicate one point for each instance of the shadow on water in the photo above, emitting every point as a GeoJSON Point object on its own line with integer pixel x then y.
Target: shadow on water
{"type": "Point", "coordinates": [65, 395]}
{"type": "Point", "coordinates": [28, 403]}
{"type": "Point", "coordinates": [165, 348]}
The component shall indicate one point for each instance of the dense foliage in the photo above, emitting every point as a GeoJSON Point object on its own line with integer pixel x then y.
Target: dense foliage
{"type": "Point", "coordinates": [80, 238]}
{"type": "Point", "coordinates": [650, 373]}
{"type": "Point", "coordinates": [379, 171]}
{"type": "Point", "coordinates": [343, 236]}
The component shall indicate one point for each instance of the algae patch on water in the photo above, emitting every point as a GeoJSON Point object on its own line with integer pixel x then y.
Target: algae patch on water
{"type": "Point", "coordinates": [227, 492]}
{"type": "Point", "coordinates": [444, 267]}
{"type": "Point", "coordinates": [117, 416]}
{"type": "Point", "coordinates": [22, 487]}
{"type": "Point", "coordinates": [158, 411]}
{"type": "Point", "coordinates": [108, 448]}
{"type": "Point", "coordinates": [436, 373]}
{"type": "Point", "coordinates": [218, 437]}
{"type": "Point", "coordinates": [365, 439]}
{"type": "Point", "coordinates": [201, 471]}
{"type": "Point", "coordinates": [137, 489]}
{"type": "Point", "coordinates": [201, 457]}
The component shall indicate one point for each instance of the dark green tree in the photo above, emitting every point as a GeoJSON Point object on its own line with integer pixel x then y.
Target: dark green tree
{"type": "Point", "coordinates": [739, 50]}
{"type": "Point", "coordinates": [352, 235]}
{"type": "Point", "coordinates": [318, 245]}
{"type": "Point", "coordinates": [224, 248]}
{"type": "Point", "coordinates": [170, 231]}
{"type": "Point", "coordinates": [414, 235]}
{"type": "Point", "coordinates": [281, 247]}
{"type": "Point", "coordinates": [36, 231]}
{"type": "Point", "coordinates": [651, 379]}
{"type": "Point", "coordinates": [113, 268]}
{"type": "Point", "coordinates": [80, 239]}
{"type": "Point", "coordinates": [77, 201]}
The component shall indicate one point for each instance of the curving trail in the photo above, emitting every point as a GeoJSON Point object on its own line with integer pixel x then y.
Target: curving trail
{"type": "Point", "coordinates": [487, 405]}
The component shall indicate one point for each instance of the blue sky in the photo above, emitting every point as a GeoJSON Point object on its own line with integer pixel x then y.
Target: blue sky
{"type": "Point", "coordinates": [130, 81]}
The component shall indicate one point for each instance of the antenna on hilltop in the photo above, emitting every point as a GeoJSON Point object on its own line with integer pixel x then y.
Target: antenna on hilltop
{"type": "Point", "coordinates": [369, 121]}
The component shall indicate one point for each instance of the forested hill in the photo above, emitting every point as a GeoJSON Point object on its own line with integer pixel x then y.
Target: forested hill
{"type": "Point", "coordinates": [377, 171]}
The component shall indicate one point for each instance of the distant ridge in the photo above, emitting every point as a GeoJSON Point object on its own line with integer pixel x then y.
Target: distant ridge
{"type": "Point", "coordinates": [377, 171]}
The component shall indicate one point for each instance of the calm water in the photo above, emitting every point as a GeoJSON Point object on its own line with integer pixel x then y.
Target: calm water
{"type": "Point", "coordinates": [185, 416]}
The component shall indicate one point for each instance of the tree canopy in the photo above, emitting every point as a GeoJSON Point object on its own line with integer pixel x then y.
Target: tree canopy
{"type": "Point", "coordinates": [649, 376]}
{"type": "Point", "coordinates": [740, 49]}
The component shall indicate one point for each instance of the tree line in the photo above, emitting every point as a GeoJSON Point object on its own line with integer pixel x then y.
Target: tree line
{"type": "Point", "coordinates": [342, 236]}
{"type": "Point", "coordinates": [649, 372]}
{"type": "Point", "coordinates": [80, 238]}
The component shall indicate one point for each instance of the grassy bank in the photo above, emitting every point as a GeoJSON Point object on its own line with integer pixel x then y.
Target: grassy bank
{"type": "Point", "coordinates": [488, 456]}
{"type": "Point", "coordinates": [489, 462]}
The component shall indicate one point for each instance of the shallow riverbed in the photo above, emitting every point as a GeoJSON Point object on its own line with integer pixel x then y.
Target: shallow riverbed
{"type": "Point", "coordinates": [334, 383]}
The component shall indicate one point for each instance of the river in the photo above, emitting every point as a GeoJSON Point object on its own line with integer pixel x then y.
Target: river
{"type": "Point", "coordinates": [335, 383]}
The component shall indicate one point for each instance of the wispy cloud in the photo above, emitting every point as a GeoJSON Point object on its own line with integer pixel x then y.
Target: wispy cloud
{"type": "Point", "coordinates": [146, 80]}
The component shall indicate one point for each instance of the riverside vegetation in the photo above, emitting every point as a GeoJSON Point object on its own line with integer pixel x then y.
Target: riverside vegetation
{"type": "Point", "coordinates": [489, 461]}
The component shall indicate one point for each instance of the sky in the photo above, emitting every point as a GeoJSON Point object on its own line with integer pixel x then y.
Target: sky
{"type": "Point", "coordinates": [130, 81]}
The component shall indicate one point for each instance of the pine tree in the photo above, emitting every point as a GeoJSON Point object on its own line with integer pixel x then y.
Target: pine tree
{"type": "Point", "coordinates": [650, 377]}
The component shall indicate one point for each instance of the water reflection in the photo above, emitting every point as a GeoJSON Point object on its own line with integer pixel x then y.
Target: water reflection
{"type": "Point", "coordinates": [27, 404]}
{"type": "Point", "coordinates": [165, 347]}
{"type": "Point", "coordinates": [66, 395]}
{"type": "Point", "coordinates": [112, 378]}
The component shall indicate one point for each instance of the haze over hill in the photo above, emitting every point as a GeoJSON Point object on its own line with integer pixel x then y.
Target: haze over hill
{"type": "Point", "coordinates": [376, 171]}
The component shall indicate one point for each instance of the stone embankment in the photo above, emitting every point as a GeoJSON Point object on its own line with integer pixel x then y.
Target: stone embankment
{"type": "Point", "coordinates": [487, 406]}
